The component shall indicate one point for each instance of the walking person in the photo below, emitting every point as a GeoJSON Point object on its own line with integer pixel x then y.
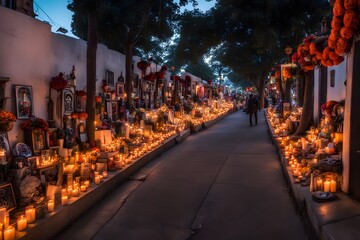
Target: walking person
{"type": "Point", "coordinates": [252, 108]}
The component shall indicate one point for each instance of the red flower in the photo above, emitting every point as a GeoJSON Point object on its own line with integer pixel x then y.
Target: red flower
{"type": "Point", "coordinates": [143, 65]}
{"type": "Point", "coordinates": [58, 83]}
{"type": "Point", "coordinates": [80, 93]}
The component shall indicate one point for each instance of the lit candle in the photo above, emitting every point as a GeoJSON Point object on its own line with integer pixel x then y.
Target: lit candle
{"type": "Point", "coordinates": [30, 213]}
{"type": "Point", "coordinates": [83, 188]}
{"type": "Point", "coordinates": [319, 185]}
{"type": "Point", "coordinates": [75, 192]}
{"type": "Point", "coordinates": [76, 156]}
{"type": "Point", "coordinates": [333, 186]}
{"type": "Point", "coordinates": [87, 183]}
{"type": "Point", "coordinates": [97, 180]}
{"type": "Point", "coordinates": [51, 205]}
{"type": "Point", "coordinates": [2, 215]}
{"type": "Point", "coordinates": [9, 233]}
{"type": "Point", "coordinates": [7, 220]}
{"type": "Point", "coordinates": [64, 200]}
{"type": "Point", "coordinates": [327, 186]}
{"type": "Point", "coordinates": [21, 223]}
{"type": "Point", "coordinates": [105, 174]}
{"type": "Point", "coordinates": [315, 160]}
{"type": "Point", "coordinates": [295, 173]}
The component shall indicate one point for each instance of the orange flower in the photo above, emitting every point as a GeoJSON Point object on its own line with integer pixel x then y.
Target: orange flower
{"type": "Point", "coordinates": [339, 51]}
{"type": "Point", "coordinates": [313, 48]}
{"type": "Point", "coordinates": [6, 116]}
{"type": "Point", "coordinates": [324, 63]}
{"type": "Point", "coordinates": [330, 62]}
{"type": "Point", "coordinates": [333, 56]}
{"type": "Point", "coordinates": [74, 115]}
{"type": "Point", "coordinates": [319, 56]}
{"type": "Point", "coordinates": [350, 4]}
{"type": "Point", "coordinates": [351, 19]}
{"type": "Point", "coordinates": [309, 67]}
{"type": "Point", "coordinates": [336, 23]}
{"type": "Point", "coordinates": [287, 73]}
{"type": "Point", "coordinates": [343, 44]}
{"type": "Point", "coordinates": [346, 32]}
{"type": "Point", "coordinates": [326, 52]}
{"type": "Point", "coordinates": [339, 60]}
{"type": "Point", "coordinates": [83, 115]}
{"type": "Point", "coordinates": [338, 9]}
{"type": "Point", "coordinates": [332, 43]}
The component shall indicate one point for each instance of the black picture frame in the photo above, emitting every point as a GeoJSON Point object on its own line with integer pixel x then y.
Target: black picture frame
{"type": "Point", "coordinates": [110, 78]}
{"type": "Point", "coordinates": [7, 197]}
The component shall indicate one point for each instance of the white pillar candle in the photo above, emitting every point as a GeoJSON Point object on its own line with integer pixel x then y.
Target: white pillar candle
{"type": "Point", "coordinates": [87, 183]}
{"type": "Point", "coordinates": [83, 188]}
{"type": "Point", "coordinates": [333, 186]}
{"type": "Point", "coordinates": [30, 213]}
{"type": "Point", "coordinates": [2, 215]}
{"type": "Point", "coordinates": [127, 131]}
{"type": "Point", "coordinates": [64, 200]}
{"type": "Point", "coordinates": [97, 180]}
{"type": "Point", "coordinates": [327, 186]}
{"type": "Point", "coordinates": [75, 192]}
{"type": "Point", "coordinates": [51, 205]}
{"type": "Point", "coordinates": [21, 223]}
{"type": "Point", "coordinates": [105, 174]}
{"type": "Point", "coordinates": [9, 233]}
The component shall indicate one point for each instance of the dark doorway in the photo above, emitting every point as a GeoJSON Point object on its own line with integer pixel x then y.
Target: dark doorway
{"type": "Point", "coordinates": [323, 88]}
{"type": "Point", "coordinates": [354, 181]}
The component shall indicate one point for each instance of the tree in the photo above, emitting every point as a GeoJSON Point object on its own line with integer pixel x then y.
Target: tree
{"type": "Point", "coordinates": [252, 34]}
{"type": "Point", "coordinates": [200, 69]}
{"type": "Point", "coordinates": [130, 26]}
{"type": "Point", "coordinates": [90, 9]}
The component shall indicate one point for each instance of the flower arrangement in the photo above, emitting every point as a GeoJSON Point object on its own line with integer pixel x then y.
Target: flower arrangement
{"type": "Point", "coordinates": [98, 99]}
{"type": "Point", "coordinates": [159, 75]}
{"type": "Point", "coordinates": [6, 116]}
{"type": "Point", "coordinates": [74, 115]}
{"type": "Point", "coordinates": [327, 108]}
{"type": "Point", "coordinates": [80, 93]}
{"type": "Point", "coordinates": [143, 65]}
{"type": "Point", "coordinates": [83, 115]}
{"type": "Point", "coordinates": [58, 83]}
{"type": "Point", "coordinates": [35, 124]}
{"type": "Point", "coordinates": [344, 25]}
{"type": "Point", "coordinates": [150, 77]}
{"type": "Point", "coordinates": [79, 115]}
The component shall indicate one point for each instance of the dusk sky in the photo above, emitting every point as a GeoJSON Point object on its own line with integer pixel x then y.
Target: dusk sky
{"type": "Point", "coordinates": [60, 16]}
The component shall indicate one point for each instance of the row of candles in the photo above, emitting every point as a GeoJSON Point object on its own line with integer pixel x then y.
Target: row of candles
{"type": "Point", "coordinates": [318, 183]}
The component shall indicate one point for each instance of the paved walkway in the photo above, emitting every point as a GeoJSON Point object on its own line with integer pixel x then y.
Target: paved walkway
{"type": "Point", "coordinates": [224, 183]}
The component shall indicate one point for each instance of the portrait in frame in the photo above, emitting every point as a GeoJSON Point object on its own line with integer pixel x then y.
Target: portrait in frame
{"type": "Point", "coordinates": [7, 197]}
{"type": "Point", "coordinates": [24, 101]}
{"type": "Point", "coordinates": [68, 101]}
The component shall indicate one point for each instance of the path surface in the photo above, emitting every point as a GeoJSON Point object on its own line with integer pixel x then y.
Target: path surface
{"type": "Point", "coordinates": [224, 183]}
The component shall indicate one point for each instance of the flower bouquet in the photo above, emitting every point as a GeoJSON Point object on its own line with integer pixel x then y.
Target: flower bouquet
{"type": "Point", "coordinates": [7, 120]}
{"type": "Point", "coordinates": [35, 124]}
{"type": "Point", "coordinates": [58, 83]}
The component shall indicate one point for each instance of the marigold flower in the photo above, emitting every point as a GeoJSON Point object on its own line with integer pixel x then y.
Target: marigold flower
{"type": "Point", "coordinates": [351, 19]}
{"type": "Point", "coordinates": [338, 9]}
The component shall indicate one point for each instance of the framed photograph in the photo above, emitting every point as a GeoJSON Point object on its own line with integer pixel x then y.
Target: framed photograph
{"type": "Point", "coordinates": [83, 137]}
{"type": "Point", "coordinates": [24, 101]}
{"type": "Point", "coordinates": [110, 77]}
{"type": "Point", "coordinates": [48, 175]}
{"type": "Point", "coordinates": [7, 197]}
{"type": "Point", "coordinates": [38, 142]}
{"type": "Point", "coordinates": [4, 143]}
{"type": "Point", "coordinates": [68, 101]}
{"type": "Point", "coordinates": [31, 161]}
{"type": "Point", "coordinates": [51, 138]}
{"type": "Point", "coordinates": [54, 150]}
{"type": "Point", "coordinates": [120, 89]}
{"type": "Point", "coordinates": [81, 128]}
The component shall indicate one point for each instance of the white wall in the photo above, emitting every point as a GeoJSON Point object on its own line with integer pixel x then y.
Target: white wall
{"type": "Point", "coordinates": [338, 92]}
{"type": "Point", "coordinates": [31, 55]}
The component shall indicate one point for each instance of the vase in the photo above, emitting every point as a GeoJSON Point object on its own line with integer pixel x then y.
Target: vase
{"type": "Point", "coordinates": [6, 126]}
